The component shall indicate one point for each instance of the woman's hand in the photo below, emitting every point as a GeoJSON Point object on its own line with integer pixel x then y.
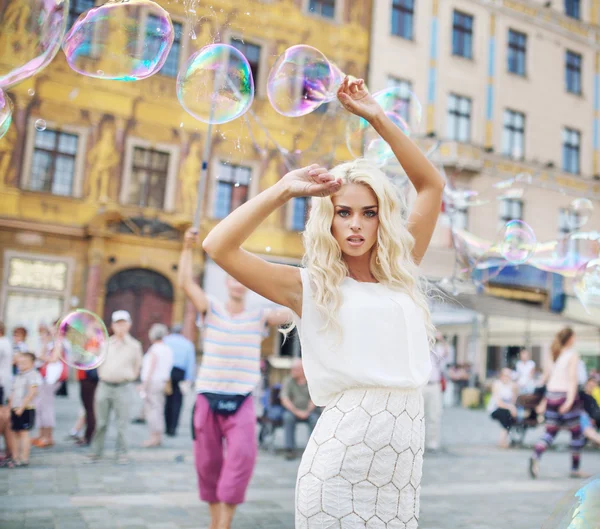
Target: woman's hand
{"type": "Point", "coordinates": [311, 181]}
{"type": "Point", "coordinates": [354, 97]}
{"type": "Point", "coordinates": [513, 411]}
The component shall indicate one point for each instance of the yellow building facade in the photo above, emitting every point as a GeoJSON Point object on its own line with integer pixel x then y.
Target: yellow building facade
{"type": "Point", "coordinates": [95, 197]}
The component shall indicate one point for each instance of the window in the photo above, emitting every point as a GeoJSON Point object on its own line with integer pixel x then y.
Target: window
{"type": "Point", "coordinates": [573, 72]}
{"type": "Point", "coordinates": [76, 7]}
{"type": "Point", "coordinates": [149, 175]}
{"type": "Point", "coordinates": [325, 8]}
{"type": "Point", "coordinates": [403, 14]}
{"type": "Point", "coordinates": [233, 182]}
{"type": "Point", "coordinates": [572, 8]}
{"type": "Point", "coordinates": [568, 220]}
{"type": "Point", "coordinates": [300, 210]}
{"type": "Point", "coordinates": [513, 135]}
{"type": "Point", "coordinates": [404, 94]}
{"type": "Point", "coordinates": [53, 164]}
{"type": "Point", "coordinates": [459, 118]}
{"type": "Point", "coordinates": [462, 35]}
{"type": "Point", "coordinates": [510, 209]}
{"type": "Point", "coordinates": [154, 41]}
{"type": "Point", "coordinates": [517, 51]}
{"type": "Point", "coordinates": [571, 146]}
{"type": "Point", "coordinates": [252, 53]}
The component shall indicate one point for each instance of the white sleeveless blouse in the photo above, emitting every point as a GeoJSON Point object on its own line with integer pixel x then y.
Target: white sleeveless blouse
{"type": "Point", "coordinates": [383, 341]}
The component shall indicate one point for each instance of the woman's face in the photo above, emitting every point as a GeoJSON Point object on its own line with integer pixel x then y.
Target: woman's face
{"type": "Point", "coordinates": [355, 219]}
{"type": "Point", "coordinates": [570, 342]}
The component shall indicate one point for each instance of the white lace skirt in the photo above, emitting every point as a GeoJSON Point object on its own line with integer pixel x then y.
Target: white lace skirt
{"type": "Point", "coordinates": [362, 466]}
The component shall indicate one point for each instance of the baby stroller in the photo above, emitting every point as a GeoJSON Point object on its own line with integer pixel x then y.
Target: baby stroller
{"type": "Point", "coordinates": [527, 417]}
{"type": "Point", "coordinates": [271, 419]}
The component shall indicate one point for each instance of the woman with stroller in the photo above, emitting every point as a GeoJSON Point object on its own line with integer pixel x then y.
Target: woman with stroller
{"type": "Point", "coordinates": [563, 405]}
{"type": "Point", "coordinates": [502, 404]}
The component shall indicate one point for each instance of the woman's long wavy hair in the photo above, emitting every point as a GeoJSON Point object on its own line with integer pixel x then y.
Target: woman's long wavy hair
{"type": "Point", "coordinates": [560, 340]}
{"type": "Point", "coordinates": [391, 257]}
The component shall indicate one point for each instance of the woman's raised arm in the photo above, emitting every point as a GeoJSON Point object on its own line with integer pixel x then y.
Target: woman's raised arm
{"type": "Point", "coordinates": [279, 283]}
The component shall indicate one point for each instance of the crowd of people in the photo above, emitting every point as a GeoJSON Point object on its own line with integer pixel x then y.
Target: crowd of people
{"type": "Point", "coordinates": [30, 379]}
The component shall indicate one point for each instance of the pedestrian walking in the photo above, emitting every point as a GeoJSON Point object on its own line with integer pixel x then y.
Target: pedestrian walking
{"type": "Point", "coordinates": [432, 394]}
{"type": "Point", "coordinates": [363, 320]}
{"type": "Point", "coordinates": [224, 414]}
{"type": "Point", "coordinates": [22, 405]}
{"type": "Point", "coordinates": [295, 398]}
{"type": "Point", "coordinates": [563, 405]}
{"type": "Point", "coordinates": [119, 370]}
{"type": "Point", "coordinates": [156, 372]}
{"type": "Point", "coordinates": [184, 370]}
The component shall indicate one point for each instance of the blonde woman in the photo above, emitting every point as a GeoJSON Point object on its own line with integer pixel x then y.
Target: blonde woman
{"type": "Point", "coordinates": [363, 321]}
{"type": "Point", "coordinates": [563, 406]}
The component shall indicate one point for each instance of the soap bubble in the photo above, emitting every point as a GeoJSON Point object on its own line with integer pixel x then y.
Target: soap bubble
{"type": "Point", "coordinates": [216, 84]}
{"type": "Point", "coordinates": [40, 125]}
{"type": "Point", "coordinates": [587, 284]}
{"type": "Point", "coordinates": [517, 242]}
{"type": "Point", "coordinates": [83, 339]}
{"type": "Point", "coordinates": [400, 106]}
{"type": "Point", "coordinates": [6, 109]}
{"type": "Point", "coordinates": [579, 509]}
{"type": "Point", "coordinates": [30, 37]}
{"type": "Point", "coordinates": [107, 41]}
{"type": "Point", "coordinates": [580, 212]}
{"type": "Point", "coordinates": [300, 81]}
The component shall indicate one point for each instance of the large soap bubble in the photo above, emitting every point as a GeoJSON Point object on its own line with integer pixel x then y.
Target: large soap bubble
{"type": "Point", "coordinates": [587, 284]}
{"type": "Point", "coordinates": [216, 84]}
{"type": "Point", "coordinates": [518, 242]}
{"type": "Point", "coordinates": [107, 41]}
{"type": "Point", "coordinates": [30, 35]}
{"type": "Point", "coordinates": [5, 113]}
{"type": "Point", "coordinates": [300, 81]}
{"type": "Point", "coordinates": [83, 339]}
{"type": "Point", "coordinates": [581, 210]}
{"type": "Point", "coordinates": [577, 510]}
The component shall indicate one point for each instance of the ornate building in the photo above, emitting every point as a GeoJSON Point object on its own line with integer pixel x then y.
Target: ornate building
{"type": "Point", "coordinates": [94, 199]}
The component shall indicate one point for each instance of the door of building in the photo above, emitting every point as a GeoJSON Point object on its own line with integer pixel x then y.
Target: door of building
{"type": "Point", "coordinates": [145, 294]}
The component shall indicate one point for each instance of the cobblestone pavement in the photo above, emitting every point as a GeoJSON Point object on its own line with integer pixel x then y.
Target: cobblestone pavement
{"type": "Point", "coordinates": [470, 484]}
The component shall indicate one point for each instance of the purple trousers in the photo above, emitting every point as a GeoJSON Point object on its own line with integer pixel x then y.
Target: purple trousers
{"type": "Point", "coordinates": [225, 450]}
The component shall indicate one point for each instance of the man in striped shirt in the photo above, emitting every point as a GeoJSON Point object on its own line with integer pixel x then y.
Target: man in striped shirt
{"type": "Point", "coordinates": [229, 372]}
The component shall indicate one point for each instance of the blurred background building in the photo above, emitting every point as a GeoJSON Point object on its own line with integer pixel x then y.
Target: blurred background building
{"type": "Point", "coordinates": [508, 87]}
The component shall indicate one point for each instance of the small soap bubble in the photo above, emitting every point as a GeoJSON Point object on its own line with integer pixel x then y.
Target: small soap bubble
{"type": "Point", "coordinates": [83, 339]}
{"type": "Point", "coordinates": [581, 210]}
{"type": "Point", "coordinates": [300, 81]}
{"type": "Point", "coordinates": [40, 125]}
{"type": "Point", "coordinates": [31, 92]}
{"type": "Point", "coordinates": [216, 85]}
{"type": "Point", "coordinates": [518, 242]}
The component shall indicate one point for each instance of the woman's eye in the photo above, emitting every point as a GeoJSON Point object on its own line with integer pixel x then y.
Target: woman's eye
{"type": "Point", "coordinates": [371, 213]}
{"type": "Point", "coordinates": [343, 213]}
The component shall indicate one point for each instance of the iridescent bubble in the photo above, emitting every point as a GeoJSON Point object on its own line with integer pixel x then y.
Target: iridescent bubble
{"type": "Point", "coordinates": [83, 339]}
{"type": "Point", "coordinates": [31, 92]}
{"type": "Point", "coordinates": [216, 84]}
{"type": "Point", "coordinates": [581, 210]}
{"type": "Point", "coordinates": [579, 509]}
{"type": "Point", "coordinates": [108, 41]}
{"type": "Point", "coordinates": [518, 242]}
{"type": "Point", "coordinates": [6, 109]}
{"type": "Point", "coordinates": [300, 81]}
{"type": "Point", "coordinates": [30, 37]}
{"type": "Point", "coordinates": [587, 285]}
{"type": "Point", "coordinates": [40, 125]}
{"type": "Point", "coordinates": [401, 106]}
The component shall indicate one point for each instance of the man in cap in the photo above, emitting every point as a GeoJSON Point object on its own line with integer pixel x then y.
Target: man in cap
{"type": "Point", "coordinates": [119, 370]}
{"type": "Point", "coordinates": [184, 368]}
